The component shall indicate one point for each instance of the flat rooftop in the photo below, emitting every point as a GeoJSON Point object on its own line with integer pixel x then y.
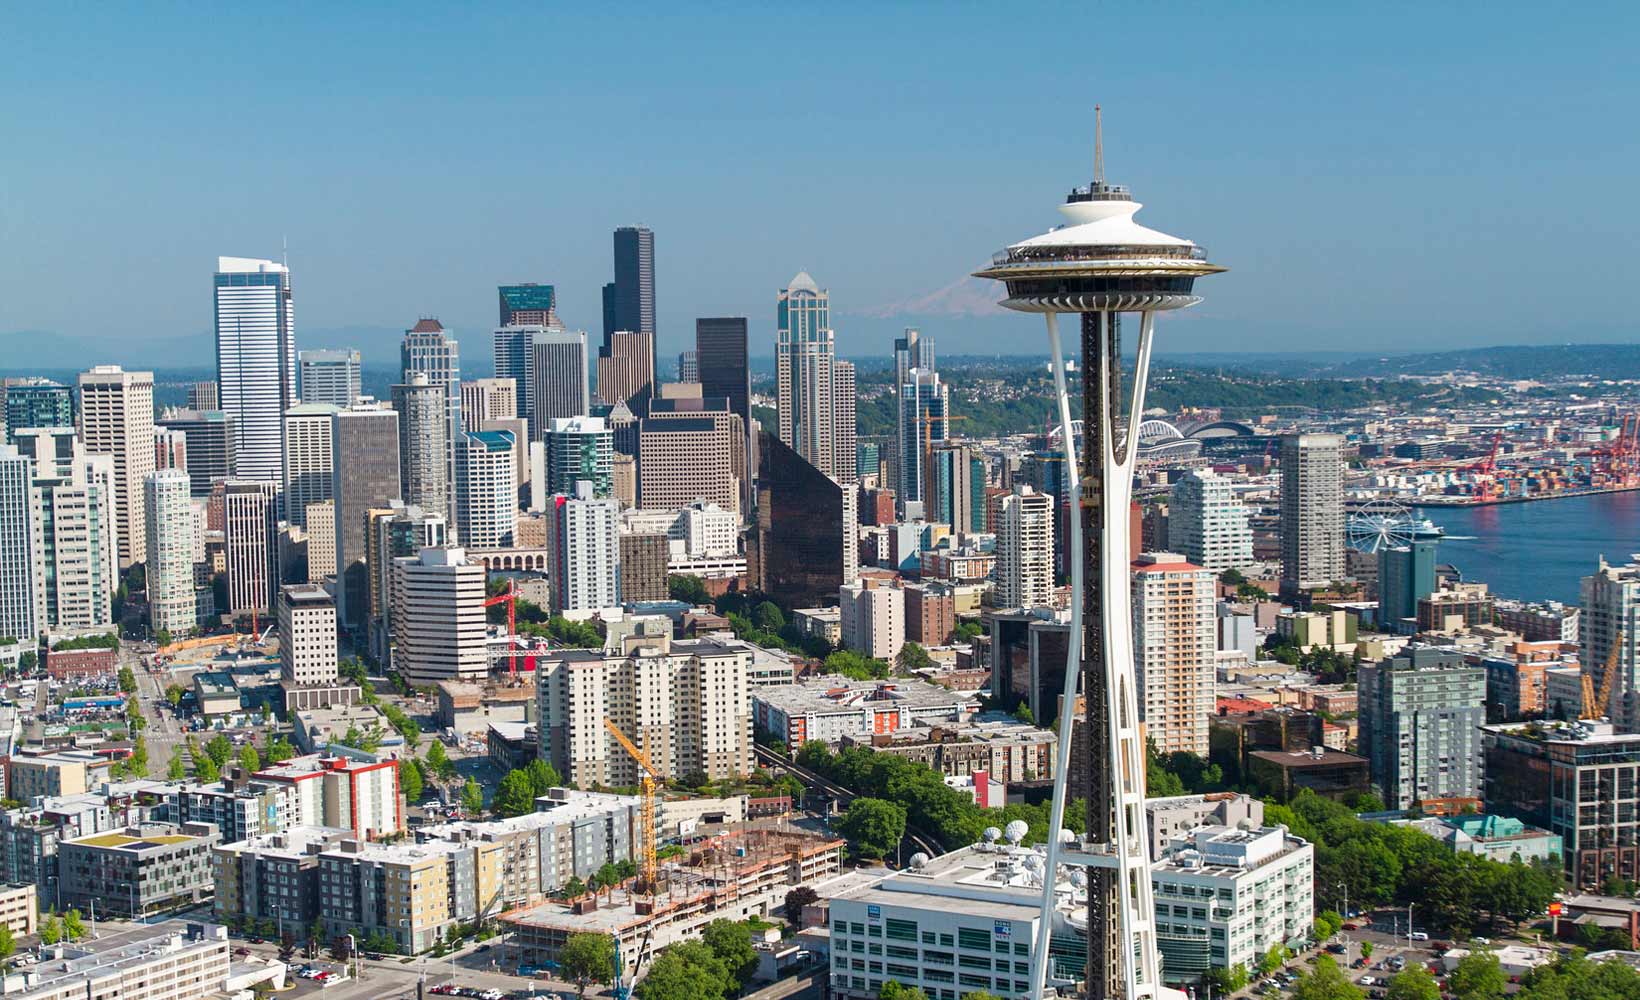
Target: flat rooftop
{"type": "Point", "coordinates": [132, 842]}
{"type": "Point", "coordinates": [113, 950]}
{"type": "Point", "coordinates": [1304, 759]}
{"type": "Point", "coordinates": [835, 694]}
{"type": "Point", "coordinates": [291, 844]}
{"type": "Point", "coordinates": [577, 806]}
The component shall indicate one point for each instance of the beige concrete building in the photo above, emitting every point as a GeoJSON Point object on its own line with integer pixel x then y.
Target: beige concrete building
{"type": "Point", "coordinates": [872, 619]}
{"type": "Point", "coordinates": [19, 909]}
{"type": "Point", "coordinates": [1175, 638]}
{"type": "Point", "coordinates": [488, 399]}
{"type": "Point", "coordinates": [690, 454]}
{"type": "Point", "coordinates": [67, 772]}
{"type": "Point", "coordinates": [117, 418]}
{"type": "Point", "coordinates": [173, 960]}
{"type": "Point", "coordinates": [438, 616]}
{"type": "Point", "coordinates": [686, 700]}
{"type": "Point", "coordinates": [321, 540]}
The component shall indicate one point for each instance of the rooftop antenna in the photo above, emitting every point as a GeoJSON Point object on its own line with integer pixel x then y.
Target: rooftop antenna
{"type": "Point", "coordinates": [1098, 146]}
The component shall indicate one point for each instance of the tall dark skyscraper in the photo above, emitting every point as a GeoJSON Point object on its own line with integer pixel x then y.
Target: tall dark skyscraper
{"type": "Point", "coordinates": [609, 311]}
{"type": "Point", "coordinates": [720, 359]}
{"type": "Point", "coordinates": [634, 280]}
{"type": "Point", "coordinates": [365, 464]}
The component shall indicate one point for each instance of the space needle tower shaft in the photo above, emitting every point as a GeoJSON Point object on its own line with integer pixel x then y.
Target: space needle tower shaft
{"type": "Point", "coordinates": [1101, 265]}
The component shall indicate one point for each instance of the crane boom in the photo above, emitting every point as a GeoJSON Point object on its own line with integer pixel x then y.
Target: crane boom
{"type": "Point", "coordinates": [1609, 674]}
{"type": "Point", "coordinates": [646, 810]}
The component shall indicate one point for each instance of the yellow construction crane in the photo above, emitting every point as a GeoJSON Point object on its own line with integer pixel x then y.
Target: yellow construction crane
{"type": "Point", "coordinates": [646, 811]}
{"type": "Point", "coordinates": [1603, 703]}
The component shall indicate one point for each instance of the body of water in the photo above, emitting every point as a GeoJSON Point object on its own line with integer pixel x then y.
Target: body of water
{"type": "Point", "coordinates": [1539, 550]}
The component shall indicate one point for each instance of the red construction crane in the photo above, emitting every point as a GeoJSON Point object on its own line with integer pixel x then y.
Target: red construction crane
{"type": "Point", "coordinates": [509, 597]}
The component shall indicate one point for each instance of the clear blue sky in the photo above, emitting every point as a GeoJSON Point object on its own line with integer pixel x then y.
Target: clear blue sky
{"type": "Point", "coordinates": [1397, 177]}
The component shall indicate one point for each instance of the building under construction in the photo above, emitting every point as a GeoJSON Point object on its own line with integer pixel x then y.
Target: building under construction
{"type": "Point", "coordinates": [732, 877]}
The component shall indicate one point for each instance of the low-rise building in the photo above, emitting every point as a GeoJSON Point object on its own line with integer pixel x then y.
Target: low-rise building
{"type": "Point", "coordinates": [343, 787]}
{"type": "Point", "coordinates": [471, 707]}
{"type": "Point", "coordinates": [1173, 816]}
{"type": "Point", "coordinates": [1500, 838]}
{"type": "Point", "coordinates": [822, 623]}
{"type": "Point", "coordinates": [1225, 896]}
{"type": "Point", "coordinates": [171, 960]}
{"type": "Point", "coordinates": [56, 773]}
{"type": "Point", "coordinates": [1331, 774]}
{"type": "Point", "coordinates": [20, 909]}
{"type": "Point", "coordinates": [1550, 621]}
{"type": "Point", "coordinates": [216, 694]}
{"type": "Point", "coordinates": [137, 871]}
{"type": "Point", "coordinates": [731, 877]}
{"type": "Point", "coordinates": [315, 729]}
{"type": "Point", "coordinates": [1008, 751]}
{"type": "Point", "coordinates": [272, 876]}
{"type": "Point", "coordinates": [830, 708]}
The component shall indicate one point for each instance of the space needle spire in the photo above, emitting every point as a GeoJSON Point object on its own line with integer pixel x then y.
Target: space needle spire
{"type": "Point", "coordinates": [1100, 266]}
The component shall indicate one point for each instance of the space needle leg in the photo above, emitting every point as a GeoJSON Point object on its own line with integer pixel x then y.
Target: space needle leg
{"type": "Point", "coordinates": [1073, 668]}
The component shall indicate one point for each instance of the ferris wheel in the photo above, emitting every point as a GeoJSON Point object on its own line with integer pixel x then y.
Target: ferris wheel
{"type": "Point", "coordinates": [1381, 524]}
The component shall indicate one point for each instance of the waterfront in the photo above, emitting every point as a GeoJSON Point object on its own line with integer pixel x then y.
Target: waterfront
{"type": "Point", "coordinates": [1539, 550]}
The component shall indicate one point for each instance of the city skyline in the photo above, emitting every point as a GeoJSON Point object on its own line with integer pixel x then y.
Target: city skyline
{"type": "Point", "coordinates": [1320, 134]}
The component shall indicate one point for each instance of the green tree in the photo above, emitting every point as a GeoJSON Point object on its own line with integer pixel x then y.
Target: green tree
{"type": "Point", "coordinates": [163, 637]}
{"type": "Point", "coordinates": [51, 930]}
{"type": "Point", "coordinates": [472, 798]}
{"type": "Point", "coordinates": [797, 898]}
{"type": "Point", "coordinates": [1413, 983]}
{"type": "Point", "coordinates": [1477, 976]}
{"type": "Point", "coordinates": [73, 926]}
{"type": "Point", "coordinates": [514, 796]}
{"type": "Point", "coordinates": [176, 770]}
{"type": "Point", "coordinates": [219, 749]}
{"type": "Point", "coordinates": [369, 739]}
{"type": "Point", "coordinates": [440, 761]}
{"type": "Point", "coordinates": [688, 589]}
{"type": "Point", "coordinates": [1366, 949]}
{"type": "Point", "coordinates": [1023, 714]}
{"type": "Point", "coordinates": [137, 764]}
{"type": "Point", "coordinates": [1272, 960]}
{"type": "Point", "coordinates": [1227, 981]}
{"type": "Point", "coordinates": [279, 750]}
{"type": "Point", "coordinates": [892, 990]}
{"type": "Point", "coordinates": [688, 970]}
{"type": "Point", "coordinates": [249, 759]}
{"type": "Point", "coordinates": [980, 995]}
{"type": "Point", "coordinates": [410, 780]}
{"type": "Point", "coordinates": [873, 826]}
{"type": "Point", "coordinates": [543, 777]}
{"type": "Point", "coordinates": [587, 959]}
{"type": "Point", "coordinates": [914, 657]}
{"type": "Point", "coordinates": [173, 694]}
{"type": "Point", "coordinates": [8, 944]}
{"type": "Point", "coordinates": [1326, 982]}
{"type": "Point", "coordinates": [815, 756]}
{"type": "Point", "coordinates": [128, 680]}
{"type": "Point", "coordinates": [767, 617]}
{"type": "Point", "coordinates": [731, 942]}
{"type": "Point", "coordinates": [205, 769]}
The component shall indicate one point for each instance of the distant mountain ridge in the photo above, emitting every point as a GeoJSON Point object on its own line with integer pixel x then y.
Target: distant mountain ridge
{"type": "Point", "coordinates": [1525, 361]}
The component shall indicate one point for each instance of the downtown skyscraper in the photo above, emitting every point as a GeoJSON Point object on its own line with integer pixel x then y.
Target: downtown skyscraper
{"type": "Point", "coordinates": [911, 352]}
{"type": "Point", "coordinates": [332, 377]}
{"type": "Point", "coordinates": [117, 418]}
{"type": "Point", "coordinates": [20, 616]}
{"type": "Point", "coordinates": [626, 361]}
{"type": "Point", "coordinates": [634, 292]}
{"type": "Point", "coordinates": [427, 350]}
{"type": "Point", "coordinates": [255, 359]}
{"type": "Point", "coordinates": [924, 420]}
{"type": "Point", "coordinates": [76, 556]}
{"type": "Point", "coordinates": [816, 412]}
{"type": "Point", "coordinates": [1312, 512]}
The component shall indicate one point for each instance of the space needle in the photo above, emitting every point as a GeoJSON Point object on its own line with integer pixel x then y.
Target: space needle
{"type": "Point", "coordinates": [1101, 265]}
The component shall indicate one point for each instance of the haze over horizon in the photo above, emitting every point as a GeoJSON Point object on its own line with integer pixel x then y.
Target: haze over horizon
{"type": "Point", "coordinates": [1370, 187]}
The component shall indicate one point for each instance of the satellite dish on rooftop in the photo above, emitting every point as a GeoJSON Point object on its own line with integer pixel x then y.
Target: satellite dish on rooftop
{"type": "Point", "coordinates": [1016, 831]}
{"type": "Point", "coordinates": [992, 835]}
{"type": "Point", "coordinates": [919, 860]}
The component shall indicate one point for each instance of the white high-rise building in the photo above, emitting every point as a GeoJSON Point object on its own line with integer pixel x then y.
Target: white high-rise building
{"type": "Point", "coordinates": [170, 569]}
{"type": "Point", "coordinates": [872, 620]}
{"type": "Point", "coordinates": [1175, 641]}
{"type": "Point", "coordinates": [76, 555]}
{"type": "Point", "coordinates": [308, 465]}
{"type": "Point", "coordinates": [427, 350]}
{"type": "Point", "coordinates": [1207, 524]}
{"type": "Point", "coordinates": [423, 410]}
{"type": "Point", "coordinates": [586, 551]}
{"type": "Point", "coordinates": [438, 615]}
{"type": "Point", "coordinates": [1024, 567]}
{"type": "Point", "coordinates": [20, 617]}
{"type": "Point", "coordinates": [1611, 621]}
{"type": "Point", "coordinates": [307, 636]}
{"type": "Point", "coordinates": [332, 377]}
{"type": "Point", "coordinates": [117, 418]}
{"type": "Point", "coordinates": [250, 538]}
{"type": "Point", "coordinates": [1312, 511]}
{"type": "Point", "coordinates": [811, 404]}
{"type": "Point", "coordinates": [487, 491]}
{"type": "Point", "coordinates": [255, 359]}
